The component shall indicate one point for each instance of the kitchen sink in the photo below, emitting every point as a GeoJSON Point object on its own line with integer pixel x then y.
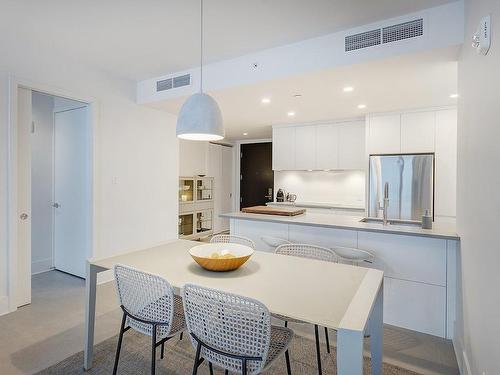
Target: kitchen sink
{"type": "Point", "coordinates": [374, 220]}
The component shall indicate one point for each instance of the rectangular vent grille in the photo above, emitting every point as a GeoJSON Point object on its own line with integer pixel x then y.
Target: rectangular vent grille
{"type": "Point", "coordinates": [403, 31]}
{"type": "Point", "coordinates": [173, 83]}
{"type": "Point", "coordinates": [362, 40]}
{"type": "Point", "coordinates": [184, 80]}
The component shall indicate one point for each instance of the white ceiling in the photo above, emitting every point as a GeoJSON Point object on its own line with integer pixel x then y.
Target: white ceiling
{"type": "Point", "coordinates": [143, 39]}
{"type": "Point", "coordinates": [406, 82]}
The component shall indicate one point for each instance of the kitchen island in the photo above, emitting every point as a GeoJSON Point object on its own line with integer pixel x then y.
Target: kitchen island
{"type": "Point", "coordinates": [419, 264]}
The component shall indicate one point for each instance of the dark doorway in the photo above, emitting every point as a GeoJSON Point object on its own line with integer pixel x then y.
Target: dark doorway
{"type": "Point", "coordinates": [257, 176]}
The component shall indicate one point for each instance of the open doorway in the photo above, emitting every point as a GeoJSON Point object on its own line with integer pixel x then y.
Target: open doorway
{"type": "Point", "coordinates": [256, 174]}
{"type": "Point", "coordinates": [54, 186]}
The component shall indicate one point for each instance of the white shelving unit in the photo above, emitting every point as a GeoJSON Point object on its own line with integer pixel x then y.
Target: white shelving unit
{"type": "Point", "coordinates": [196, 207]}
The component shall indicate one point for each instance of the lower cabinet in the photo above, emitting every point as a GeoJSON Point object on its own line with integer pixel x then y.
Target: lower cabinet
{"type": "Point", "coordinates": [416, 306]}
{"type": "Point", "coordinates": [419, 293]}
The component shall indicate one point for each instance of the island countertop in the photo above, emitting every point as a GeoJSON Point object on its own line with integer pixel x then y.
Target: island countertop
{"type": "Point", "coordinates": [439, 230]}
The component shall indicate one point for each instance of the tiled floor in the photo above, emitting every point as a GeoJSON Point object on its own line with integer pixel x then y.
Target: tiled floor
{"type": "Point", "coordinates": [51, 329]}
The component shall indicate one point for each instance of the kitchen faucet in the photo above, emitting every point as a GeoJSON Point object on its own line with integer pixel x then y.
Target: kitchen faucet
{"type": "Point", "coordinates": [386, 202]}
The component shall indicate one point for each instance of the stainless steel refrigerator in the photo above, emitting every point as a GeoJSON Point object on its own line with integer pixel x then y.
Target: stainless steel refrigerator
{"type": "Point", "coordinates": [411, 185]}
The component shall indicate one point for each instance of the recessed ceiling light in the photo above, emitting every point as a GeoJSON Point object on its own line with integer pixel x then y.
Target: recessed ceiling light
{"type": "Point", "coordinates": [309, 170]}
{"type": "Point", "coordinates": [361, 106]}
{"type": "Point", "coordinates": [291, 114]}
{"type": "Point", "coordinates": [454, 96]}
{"type": "Point", "coordinates": [245, 133]}
{"type": "Point", "coordinates": [348, 89]}
{"type": "Point", "coordinates": [266, 100]}
{"type": "Point", "coordinates": [297, 96]}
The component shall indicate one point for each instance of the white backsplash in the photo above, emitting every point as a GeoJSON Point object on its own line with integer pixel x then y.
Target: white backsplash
{"type": "Point", "coordinates": [337, 187]}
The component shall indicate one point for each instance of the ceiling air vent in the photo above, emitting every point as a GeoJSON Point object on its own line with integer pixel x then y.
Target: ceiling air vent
{"type": "Point", "coordinates": [173, 83]}
{"type": "Point", "coordinates": [362, 40]}
{"type": "Point", "coordinates": [403, 31]}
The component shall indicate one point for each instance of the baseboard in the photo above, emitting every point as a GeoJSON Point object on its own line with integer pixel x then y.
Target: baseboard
{"type": "Point", "coordinates": [462, 358]}
{"type": "Point", "coordinates": [4, 305]}
{"type": "Point", "coordinates": [40, 266]}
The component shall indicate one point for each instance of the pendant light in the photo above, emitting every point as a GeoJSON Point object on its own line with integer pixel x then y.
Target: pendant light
{"type": "Point", "coordinates": [200, 118]}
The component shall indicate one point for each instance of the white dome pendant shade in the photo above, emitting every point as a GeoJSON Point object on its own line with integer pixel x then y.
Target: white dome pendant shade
{"type": "Point", "coordinates": [200, 119]}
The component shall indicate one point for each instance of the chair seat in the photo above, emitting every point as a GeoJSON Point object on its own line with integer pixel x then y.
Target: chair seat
{"type": "Point", "coordinates": [178, 322]}
{"type": "Point", "coordinates": [287, 319]}
{"type": "Point", "coordinates": [279, 342]}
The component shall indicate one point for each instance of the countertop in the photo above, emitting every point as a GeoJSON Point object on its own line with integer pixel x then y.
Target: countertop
{"type": "Point", "coordinates": [318, 205]}
{"type": "Point", "coordinates": [439, 230]}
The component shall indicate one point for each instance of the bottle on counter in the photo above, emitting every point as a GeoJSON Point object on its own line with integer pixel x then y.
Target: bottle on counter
{"type": "Point", "coordinates": [427, 220]}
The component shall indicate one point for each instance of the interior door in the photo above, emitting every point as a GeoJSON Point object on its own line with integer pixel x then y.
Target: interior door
{"type": "Point", "coordinates": [24, 126]}
{"type": "Point", "coordinates": [72, 198]}
{"type": "Point", "coordinates": [257, 176]}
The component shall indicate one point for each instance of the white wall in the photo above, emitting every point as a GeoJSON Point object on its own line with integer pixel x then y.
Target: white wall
{"type": "Point", "coordinates": [42, 182]}
{"type": "Point", "coordinates": [338, 187]}
{"type": "Point", "coordinates": [136, 154]}
{"type": "Point", "coordinates": [478, 199]}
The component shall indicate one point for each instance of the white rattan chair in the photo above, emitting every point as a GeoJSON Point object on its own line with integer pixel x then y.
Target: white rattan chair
{"type": "Point", "coordinates": [230, 238]}
{"type": "Point", "coordinates": [274, 242]}
{"type": "Point", "coordinates": [232, 331]}
{"type": "Point", "coordinates": [309, 252]}
{"type": "Point", "coordinates": [353, 256]}
{"type": "Point", "coordinates": [150, 307]}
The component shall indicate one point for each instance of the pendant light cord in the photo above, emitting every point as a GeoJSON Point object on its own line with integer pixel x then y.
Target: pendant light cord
{"type": "Point", "coordinates": [201, 46]}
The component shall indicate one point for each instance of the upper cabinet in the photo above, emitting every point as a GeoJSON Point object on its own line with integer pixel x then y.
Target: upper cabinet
{"type": "Point", "coordinates": [417, 132]}
{"type": "Point", "coordinates": [284, 148]}
{"type": "Point", "coordinates": [384, 134]}
{"type": "Point", "coordinates": [351, 145]}
{"type": "Point", "coordinates": [319, 147]}
{"type": "Point", "coordinates": [305, 147]}
{"type": "Point", "coordinates": [327, 151]}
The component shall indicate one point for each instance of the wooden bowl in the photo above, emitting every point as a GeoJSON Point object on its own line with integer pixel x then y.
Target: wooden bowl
{"type": "Point", "coordinates": [202, 254]}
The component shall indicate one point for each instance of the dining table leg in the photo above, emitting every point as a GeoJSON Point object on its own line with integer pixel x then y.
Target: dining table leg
{"type": "Point", "coordinates": [350, 343]}
{"type": "Point", "coordinates": [90, 300]}
{"type": "Point", "coordinates": [377, 332]}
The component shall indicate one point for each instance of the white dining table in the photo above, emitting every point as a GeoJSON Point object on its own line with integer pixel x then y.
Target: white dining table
{"type": "Point", "coordinates": [342, 297]}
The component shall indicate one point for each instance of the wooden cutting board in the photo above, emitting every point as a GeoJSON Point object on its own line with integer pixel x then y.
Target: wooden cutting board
{"type": "Point", "coordinates": [282, 211]}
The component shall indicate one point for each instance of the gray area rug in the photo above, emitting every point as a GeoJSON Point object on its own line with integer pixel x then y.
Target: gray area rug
{"type": "Point", "coordinates": [179, 357]}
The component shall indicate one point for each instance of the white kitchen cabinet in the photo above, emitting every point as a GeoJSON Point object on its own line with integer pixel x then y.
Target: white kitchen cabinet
{"type": "Point", "coordinates": [193, 157]}
{"type": "Point", "coordinates": [384, 134]}
{"type": "Point", "coordinates": [417, 132]}
{"type": "Point", "coordinates": [351, 145]}
{"type": "Point", "coordinates": [327, 147]}
{"type": "Point", "coordinates": [446, 163]}
{"type": "Point", "coordinates": [412, 258]}
{"type": "Point", "coordinates": [226, 185]}
{"type": "Point", "coordinates": [326, 237]}
{"type": "Point", "coordinates": [416, 306]}
{"type": "Point", "coordinates": [283, 148]}
{"type": "Point", "coordinates": [305, 147]}
{"type": "Point", "coordinates": [255, 230]}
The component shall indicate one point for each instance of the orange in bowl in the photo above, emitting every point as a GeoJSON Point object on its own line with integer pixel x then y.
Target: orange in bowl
{"type": "Point", "coordinates": [221, 256]}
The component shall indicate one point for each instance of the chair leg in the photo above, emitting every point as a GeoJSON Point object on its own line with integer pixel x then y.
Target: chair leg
{"type": "Point", "coordinates": [119, 347]}
{"type": "Point", "coordinates": [162, 350]}
{"type": "Point", "coordinates": [153, 350]}
{"type": "Point", "coordinates": [180, 337]}
{"type": "Point", "coordinates": [244, 367]}
{"type": "Point", "coordinates": [211, 368]}
{"type": "Point", "coordinates": [318, 352]}
{"type": "Point", "coordinates": [288, 368]}
{"type": "Point", "coordinates": [197, 359]}
{"type": "Point", "coordinates": [327, 340]}
{"type": "Point", "coordinates": [226, 372]}
{"type": "Point", "coordinates": [286, 323]}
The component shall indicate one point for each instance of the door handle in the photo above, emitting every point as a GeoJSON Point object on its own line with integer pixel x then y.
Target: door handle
{"type": "Point", "coordinates": [56, 205]}
{"type": "Point", "coordinates": [23, 216]}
